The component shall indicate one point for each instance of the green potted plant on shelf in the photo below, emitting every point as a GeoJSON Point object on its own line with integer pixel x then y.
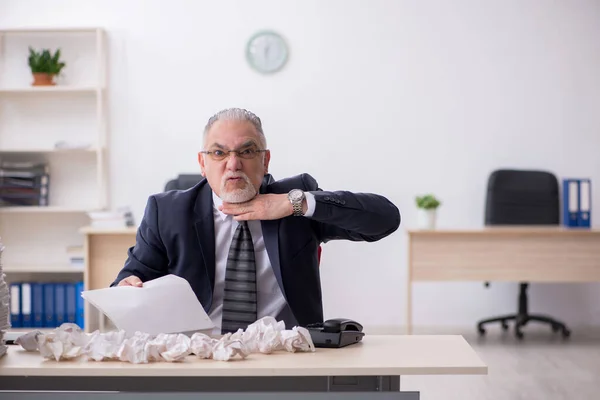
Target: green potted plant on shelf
{"type": "Point", "coordinates": [45, 66]}
{"type": "Point", "coordinates": [427, 206]}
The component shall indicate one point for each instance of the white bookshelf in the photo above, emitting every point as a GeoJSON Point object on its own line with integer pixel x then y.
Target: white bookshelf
{"type": "Point", "coordinates": [38, 150]}
{"type": "Point", "coordinates": [45, 210]}
{"type": "Point", "coordinates": [47, 90]}
{"type": "Point", "coordinates": [66, 127]}
{"type": "Point", "coordinates": [42, 269]}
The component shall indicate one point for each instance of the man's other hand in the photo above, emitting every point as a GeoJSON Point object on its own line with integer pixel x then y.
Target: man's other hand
{"type": "Point", "coordinates": [131, 281]}
{"type": "Point", "coordinates": [261, 207]}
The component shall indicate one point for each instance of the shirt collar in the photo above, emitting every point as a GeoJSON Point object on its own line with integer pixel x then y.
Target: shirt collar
{"type": "Point", "coordinates": [216, 203]}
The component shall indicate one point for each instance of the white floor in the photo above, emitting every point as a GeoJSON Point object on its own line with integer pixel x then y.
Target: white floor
{"type": "Point", "coordinates": [540, 366]}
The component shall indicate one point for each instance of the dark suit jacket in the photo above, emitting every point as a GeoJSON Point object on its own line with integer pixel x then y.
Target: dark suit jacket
{"type": "Point", "coordinates": [176, 236]}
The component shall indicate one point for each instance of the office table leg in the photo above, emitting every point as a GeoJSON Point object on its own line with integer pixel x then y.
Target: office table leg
{"type": "Point", "coordinates": [409, 309]}
{"type": "Point", "coordinates": [409, 291]}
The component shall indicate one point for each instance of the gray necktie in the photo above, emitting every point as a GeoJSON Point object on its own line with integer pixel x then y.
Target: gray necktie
{"type": "Point", "coordinates": [239, 301]}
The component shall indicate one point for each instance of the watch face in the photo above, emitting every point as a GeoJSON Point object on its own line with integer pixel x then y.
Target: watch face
{"type": "Point", "coordinates": [267, 52]}
{"type": "Point", "coordinates": [296, 195]}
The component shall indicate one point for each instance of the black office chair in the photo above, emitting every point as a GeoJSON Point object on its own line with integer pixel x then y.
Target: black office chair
{"type": "Point", "coordinates": [183, 181]}
{"type": "Point", "coordinates": [520, 197]}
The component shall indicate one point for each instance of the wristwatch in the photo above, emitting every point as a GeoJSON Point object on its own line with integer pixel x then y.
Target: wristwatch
{"type": "Point", "coordinates": [296, 196]}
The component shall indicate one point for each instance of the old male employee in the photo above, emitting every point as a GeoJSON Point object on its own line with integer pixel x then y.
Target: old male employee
{"type": "Point", "coordinates": [248, 244]}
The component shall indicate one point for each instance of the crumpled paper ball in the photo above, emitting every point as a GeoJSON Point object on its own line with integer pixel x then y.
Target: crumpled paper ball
{"type": "Point", "coordinates": [64, 343]}
{"type": "Point", "coordinates": [105, 346]}
{"type": "Point", "coordinates": [28, 341]}
{"type": "Point", "coordinates": [298, 339]}
{"type": "Point", "coordinates": [202, 345]}
{"type": "Point", "coordinates": [262, 336]}
{"type": "Point", "coordinates": [227, 348]}
{"type": "Point", "coordinates": [177, 347]}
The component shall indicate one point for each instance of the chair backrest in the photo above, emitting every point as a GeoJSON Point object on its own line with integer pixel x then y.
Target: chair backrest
{"type": "Point", "coordinates": [183, 181]}
{"type": "Point", "coordinates": [522, 197]}
{"type": "Point", "coordinates": [319, 255]}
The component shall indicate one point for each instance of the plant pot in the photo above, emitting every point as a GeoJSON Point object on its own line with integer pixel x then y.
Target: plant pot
{"type": "Point", "coordinates": [43, 79]}
{"type": "Point", "coordinates": [426, 218]}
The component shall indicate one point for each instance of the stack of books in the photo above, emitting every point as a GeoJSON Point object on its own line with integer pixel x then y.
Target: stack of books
{"type": "Point", "coordinates": [121, 218]}
{"type": "Point", "coordinates": [24, 183]}
{"type": "Point", "coordinates": [4, 306]}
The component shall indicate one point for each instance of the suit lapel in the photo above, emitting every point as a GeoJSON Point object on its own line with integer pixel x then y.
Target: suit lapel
{"type": "Point", "coordinates": [270, 229]}
{"type": "Point", "coordinates": [205, 231]}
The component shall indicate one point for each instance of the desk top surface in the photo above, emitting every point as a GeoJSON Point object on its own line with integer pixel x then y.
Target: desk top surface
{"type": "Point", "coordinates": [375, 355]}
{"type": "Point", "coordinates": [506, 230]}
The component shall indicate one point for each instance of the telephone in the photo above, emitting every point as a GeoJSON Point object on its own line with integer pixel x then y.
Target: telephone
{"type": "Point", "coordinates": [335, 333]}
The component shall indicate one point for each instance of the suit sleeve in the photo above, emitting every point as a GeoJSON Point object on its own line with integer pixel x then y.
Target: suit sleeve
{"type": "Point", "coordinates": [352, 216]}
{"type": "Point", "coordinates": [147, 259]}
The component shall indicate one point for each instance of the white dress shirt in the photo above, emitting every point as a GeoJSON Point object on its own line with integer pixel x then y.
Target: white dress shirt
{"type": "Point", "coordinates": [270, 300]}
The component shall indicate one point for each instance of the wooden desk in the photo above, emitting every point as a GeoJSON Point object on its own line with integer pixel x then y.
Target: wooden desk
{"type": "Point", "coordinates": [509, 254]}
{"type": "Point", "coordinates": [377, 360]}
{"type": "Point", "coordinates": [105, 253]}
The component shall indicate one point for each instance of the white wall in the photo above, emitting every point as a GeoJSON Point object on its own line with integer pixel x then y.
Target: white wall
{"type": "Point", "coordinates": [393, 97]}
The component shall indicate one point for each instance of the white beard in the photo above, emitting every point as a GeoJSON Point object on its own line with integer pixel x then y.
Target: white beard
{"type": "Point", "coordinates": [239, 195]}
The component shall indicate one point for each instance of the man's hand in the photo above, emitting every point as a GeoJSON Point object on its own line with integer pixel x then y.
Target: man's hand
{"type": "Point", "coordinates": [261, 207]}
{"type": "Point", "coordinates": [131, 281]}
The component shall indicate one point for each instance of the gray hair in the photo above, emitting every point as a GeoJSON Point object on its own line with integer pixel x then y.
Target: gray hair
{"type": "Point", "coordinates": [237, 114]}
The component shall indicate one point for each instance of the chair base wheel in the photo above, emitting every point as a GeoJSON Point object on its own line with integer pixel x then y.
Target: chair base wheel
{"type": "Point", "coordinates": [519, 334]}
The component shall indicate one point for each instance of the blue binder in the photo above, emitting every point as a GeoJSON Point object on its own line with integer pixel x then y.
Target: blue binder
{"type": "Point", "coordinates": [26, 305]}
{"type": "Point", "coordinates": [584, 216]}
{"type": "Point", "coordinates": [49, 316]}
{"type": "Point", "coordinates": [37, 305]}
{"type": "Point", "coordinates": [79, 318]}
{"type": "Point", "coordinates": [570, 202]}
{"type": "Point", "coordinates": [60, 304]}
{"type": "Point", "coordinates": [15, 305]}
{"type": "Point", "coordinates": [71, 299]}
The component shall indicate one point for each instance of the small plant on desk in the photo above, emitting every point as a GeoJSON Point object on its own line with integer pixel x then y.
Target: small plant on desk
{"type": "Point", "coordinates": [427, 205]}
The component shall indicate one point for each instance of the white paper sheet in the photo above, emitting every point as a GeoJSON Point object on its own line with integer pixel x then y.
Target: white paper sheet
{"type": "Point", "coordinates": [164, 305]}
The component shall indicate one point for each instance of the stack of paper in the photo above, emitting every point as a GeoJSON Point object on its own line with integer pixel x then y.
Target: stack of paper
{"type": "Point", "coordinates": [4, 306]}
{"type": "Point", "coordinates": [120, 218]}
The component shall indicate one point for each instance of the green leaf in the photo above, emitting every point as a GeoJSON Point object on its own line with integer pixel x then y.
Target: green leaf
{"type": "Point", "coordinates": [44, 61]}
{"type": "Point", "coordinates": [427, 202]}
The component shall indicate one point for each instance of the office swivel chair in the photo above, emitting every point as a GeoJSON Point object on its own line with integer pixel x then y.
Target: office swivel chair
{"type": "Point", "coordinates": [517, 197]}
{"type": "Point", "coordinates": [183, 181]}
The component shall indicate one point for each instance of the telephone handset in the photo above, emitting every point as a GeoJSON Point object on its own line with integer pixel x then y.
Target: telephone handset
{"type": "Point", "coordinates": [341, 324]}
{"type": "Point", "coordinates": [337, 332]}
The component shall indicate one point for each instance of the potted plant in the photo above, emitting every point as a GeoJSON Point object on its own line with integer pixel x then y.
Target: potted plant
{"type": "Point", "coordinates": [44, 66]}
{"type": "Point", "coordinates": [427, 205]}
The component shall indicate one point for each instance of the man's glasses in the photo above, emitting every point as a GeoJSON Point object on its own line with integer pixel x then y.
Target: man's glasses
{"type": "Point", "coordinates": [220, 155]}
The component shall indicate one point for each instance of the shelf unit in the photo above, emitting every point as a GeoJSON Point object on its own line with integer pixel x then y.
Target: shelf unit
{"type": "Point", "coordinates": [66, 126]}
{"type": "Point", "coordinates": [45, 90]}
{"type": "Point", "coordinates": [42, 269]}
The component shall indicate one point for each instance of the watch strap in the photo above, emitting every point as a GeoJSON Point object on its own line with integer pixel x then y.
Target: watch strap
{"type": "Point", "coordinates": [297, 207]}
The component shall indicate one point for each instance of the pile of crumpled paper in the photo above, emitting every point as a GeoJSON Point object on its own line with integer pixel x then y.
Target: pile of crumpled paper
{"type": "Point", "coordinates": [266, 335]}
{"type": "Point", "coordinates": [4, 306]}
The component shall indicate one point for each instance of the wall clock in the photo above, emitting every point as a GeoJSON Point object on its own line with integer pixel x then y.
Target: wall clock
{"type": "Point", "coordinates": [267, 52]}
